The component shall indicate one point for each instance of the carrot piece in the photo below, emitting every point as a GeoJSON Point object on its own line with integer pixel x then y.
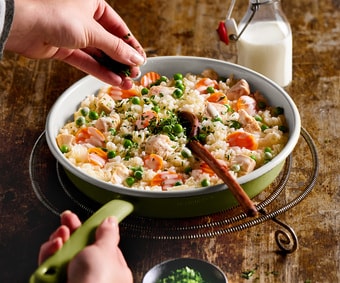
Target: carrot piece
{"type": "Point", "coordinates": [154, 162]}
{"type": "Point", "coordinates": [145, 118]}
{"type": "Point", "coordinates": [149, 78]}
{"type": "Point", "coordinates": [118, 94]}
{"type": "Point", "coordinates": [166, 179]}
{"type": "Point", "coordinates": [204, 83]}
{"type": "Point", "coordinates": [247, 103]}
{"type": "Point", "coordinates": [98, 151]}
{"type": "Point", "coordinates": [242, 139]}
{"type": "Point", "coordinates": [97, 156]}
{"type": "Point", "coordinates": [206, 169]}
{"type": "Point", "coordinates": [90, 135]}
{"type": "Point", "coordinates": [218, 97]}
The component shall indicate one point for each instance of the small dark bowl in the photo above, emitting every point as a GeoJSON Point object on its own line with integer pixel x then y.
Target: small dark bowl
{"type": "Point", "coordinates": [209, 272]}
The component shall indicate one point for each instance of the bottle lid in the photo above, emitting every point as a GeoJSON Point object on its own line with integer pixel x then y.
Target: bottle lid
{"type": "Point", "coordinates": [227, 30]}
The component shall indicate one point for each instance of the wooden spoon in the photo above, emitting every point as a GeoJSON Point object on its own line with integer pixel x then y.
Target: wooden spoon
{"type": "Point", "coordinates": [190, 122]}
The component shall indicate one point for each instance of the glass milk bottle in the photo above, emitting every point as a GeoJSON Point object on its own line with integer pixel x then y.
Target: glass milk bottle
{"type": "Point", "coordinates": [265, 41]}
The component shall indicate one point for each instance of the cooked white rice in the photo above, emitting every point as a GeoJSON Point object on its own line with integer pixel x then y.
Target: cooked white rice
{"type": "Point", "coordinates": [121, 157]}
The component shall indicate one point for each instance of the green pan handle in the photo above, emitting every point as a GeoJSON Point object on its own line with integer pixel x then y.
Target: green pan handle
{"type": "Point", "coordinates": [54, 268]}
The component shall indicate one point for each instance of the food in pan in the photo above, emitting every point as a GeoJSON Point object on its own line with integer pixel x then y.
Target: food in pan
{"type": "Point", "coordinates": [135, 139]}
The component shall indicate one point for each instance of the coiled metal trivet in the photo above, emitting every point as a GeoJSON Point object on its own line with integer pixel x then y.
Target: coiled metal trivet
{"type": "Point", "coordinates": [57, 193]}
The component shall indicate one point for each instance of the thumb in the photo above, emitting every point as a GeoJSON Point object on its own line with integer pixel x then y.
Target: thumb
{"type": "Point", "coordinates": [107, 233]}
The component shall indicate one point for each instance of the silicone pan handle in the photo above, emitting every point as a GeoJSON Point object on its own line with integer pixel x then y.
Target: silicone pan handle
{"type": "Point", "coordinates": [54, 268]}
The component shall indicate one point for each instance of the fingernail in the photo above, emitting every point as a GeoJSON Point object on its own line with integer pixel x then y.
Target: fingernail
{"type": "Point", "coordinates": [137, 59]}
{"type": "Point", "coordinates": [112, 220]}
{"type": "Point", "coordinates": [126, 83]}
{"type": "Point", "coordinates": [65, 212]}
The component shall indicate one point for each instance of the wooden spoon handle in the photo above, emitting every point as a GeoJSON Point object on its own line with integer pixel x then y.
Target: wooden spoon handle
{"type": "Point", "coordinates": [222, 171]}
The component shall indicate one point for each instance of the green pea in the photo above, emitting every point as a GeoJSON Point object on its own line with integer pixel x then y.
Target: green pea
{"type": "Point", "coordinates": [268, 155]}
{"type": "Point", "coordinates": [187, 170]}
{"type": "Point", "coordinates": [144, 91]}
{"type": "Point", "coordinates": [186, 152]}
{"type": "Point", "coordinates": [268, 149]}
{"type": "Point", "coordinates": [84, 111]}
{"type": "Point", "coordinates": [261, 105]}
{"type": "Point", "coordinates": [130, 181]}
{"type": "Point", "coordinates": [156, 108]}
{"type": "Point", "coordinates": [235, 124]}
{"type": "Point", "coordinates": [93, 115]}
{"type": "Point", "coordinates": [80, 121]}
{"type": "Point", "coordinates": [178, 183]}
{"type": "Point", "coordinates": [167, 129]}
{"type": "Point", "coordinates": [202, 137]}
{"type": "Point", "coordinates": [111, 154]}
{"type": "Point", "coordinates": [64, 148]}
{"type": "Point", "coordinates": [179, 84]}
{"type": "Point", "coordinates": [210, 89]}
{"type": "Point", "coordinates": [135, 100]}
{"type": "Point", "coordinates": [178, 128]}
{"type": "Point", "coordinates": [112, 131]}
{"type": "Point", "coordinates": [264, 127]}
{"type": "Point", "coordinates": [283, 129]}
{"type": "Point", "coordinates": [178, 93]}
{"type": "Point", "coordinates": [258, 118]}
{"type": "Point", "coordinates": [163, 79]}
{"type": "Point", "coordinates": [127, 143]}
{"type": "Point", "coordinates": [138, 175]}
{"type": "Point", "coordinates": [205, 183]}
{"type": "Point", "coordinates": [178, 76]}
{"type": "Point", "coordinates": [277, 111]}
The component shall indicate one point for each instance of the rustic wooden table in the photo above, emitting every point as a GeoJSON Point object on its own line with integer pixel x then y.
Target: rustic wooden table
{"type": "Point", "coordinates": [29, 88]}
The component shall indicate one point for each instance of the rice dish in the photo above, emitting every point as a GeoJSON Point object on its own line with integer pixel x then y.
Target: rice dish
{"type": "Point", "coordinates": [133, 138]}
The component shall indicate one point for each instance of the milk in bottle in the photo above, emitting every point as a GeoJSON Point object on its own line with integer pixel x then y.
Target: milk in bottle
{"type": "Point", "coordinates": [266, 42]}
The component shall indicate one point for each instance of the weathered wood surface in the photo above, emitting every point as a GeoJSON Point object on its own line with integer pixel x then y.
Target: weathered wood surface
{"type": "Point", "coordinates": [29, 88]}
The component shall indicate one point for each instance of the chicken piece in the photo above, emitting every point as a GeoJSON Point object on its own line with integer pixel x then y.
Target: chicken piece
{"type": "Point", "coordinates": [246, 164]}
{"type": "Point", "coordinates": [104, 124]}
{"type": "Point", "coordinates": [238, 89]}
{"type": "Point", "coordinates": [215, 110]}
{"type": "Point", "coordinates": [65, 140]}
{"type": "Point", "coordinates": [160, 145]}
{"type": "Point", "coordinates": [119, 173]}
{"type": "Point", "coordinates": [210, 73]}
{"type": "Point", "coordinates": [248, 122]}
{"type": "Point", "coordinates": [105, 103]}
{"type": "Point", "coordinates": [158, 89]}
